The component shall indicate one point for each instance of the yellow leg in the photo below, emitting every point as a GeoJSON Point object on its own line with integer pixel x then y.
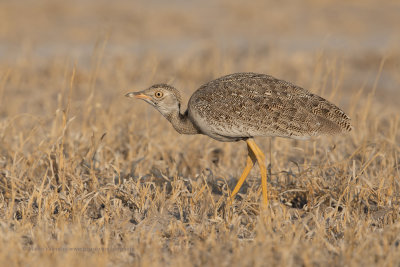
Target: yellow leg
{"type": "Point", "coordinates": [261, 162]}
{"type": "Point", "coordinates": [254, 154]}
{"type": "Point", "coordinates": [251, 159]}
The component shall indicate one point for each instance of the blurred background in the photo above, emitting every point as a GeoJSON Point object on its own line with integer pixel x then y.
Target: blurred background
{"type": "Point", "coordinates": [190, 42]}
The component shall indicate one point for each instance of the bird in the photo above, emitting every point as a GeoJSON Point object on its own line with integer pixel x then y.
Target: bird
{"type": "Point", "coordinates": [241, 106]}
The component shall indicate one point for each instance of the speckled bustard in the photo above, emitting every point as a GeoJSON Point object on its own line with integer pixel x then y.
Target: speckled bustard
{"type": "Point", "coordinates": [241, 106]}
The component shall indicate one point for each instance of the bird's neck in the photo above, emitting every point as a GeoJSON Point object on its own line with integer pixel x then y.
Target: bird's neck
{"type": "Point", "coordinates": [181, 122]}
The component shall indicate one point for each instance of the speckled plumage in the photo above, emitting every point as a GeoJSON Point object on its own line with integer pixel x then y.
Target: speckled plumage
{"type": "Point", "coordinates": [244, 105]}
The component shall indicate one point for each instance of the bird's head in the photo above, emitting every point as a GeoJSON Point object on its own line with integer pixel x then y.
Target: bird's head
{"type": "Point", "coordinates": [163, 97]}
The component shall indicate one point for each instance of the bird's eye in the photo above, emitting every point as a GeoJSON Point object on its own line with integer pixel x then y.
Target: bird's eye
{"type": "Point", "coordinates": [158, 94]}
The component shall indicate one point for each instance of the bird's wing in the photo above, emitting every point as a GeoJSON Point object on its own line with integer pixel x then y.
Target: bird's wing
{"type": "Point", "coordinates": [261, 105]}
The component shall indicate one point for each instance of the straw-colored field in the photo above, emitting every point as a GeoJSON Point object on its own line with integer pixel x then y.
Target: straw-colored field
{"type": "Point", "coordinates": [88, 176]}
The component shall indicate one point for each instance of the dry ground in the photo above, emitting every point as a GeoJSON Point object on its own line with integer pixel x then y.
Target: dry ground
{"type": "Point", "coordinates": [90, 177]}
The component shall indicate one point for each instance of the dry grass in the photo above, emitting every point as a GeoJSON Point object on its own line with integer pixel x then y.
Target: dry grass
{"type": "Point", "coordinates": [84, 169]}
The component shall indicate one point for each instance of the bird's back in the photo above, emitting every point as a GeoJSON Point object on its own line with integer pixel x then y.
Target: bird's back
{"type": "Point", "coordinates": [244, 105]}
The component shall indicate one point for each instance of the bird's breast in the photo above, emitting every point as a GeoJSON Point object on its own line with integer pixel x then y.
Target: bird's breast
{"type": "Point", "coordinates": [217, 125]}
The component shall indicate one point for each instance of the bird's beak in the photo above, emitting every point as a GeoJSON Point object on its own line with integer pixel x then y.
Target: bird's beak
{"type": "Point", "coordinates": [138, 95]}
